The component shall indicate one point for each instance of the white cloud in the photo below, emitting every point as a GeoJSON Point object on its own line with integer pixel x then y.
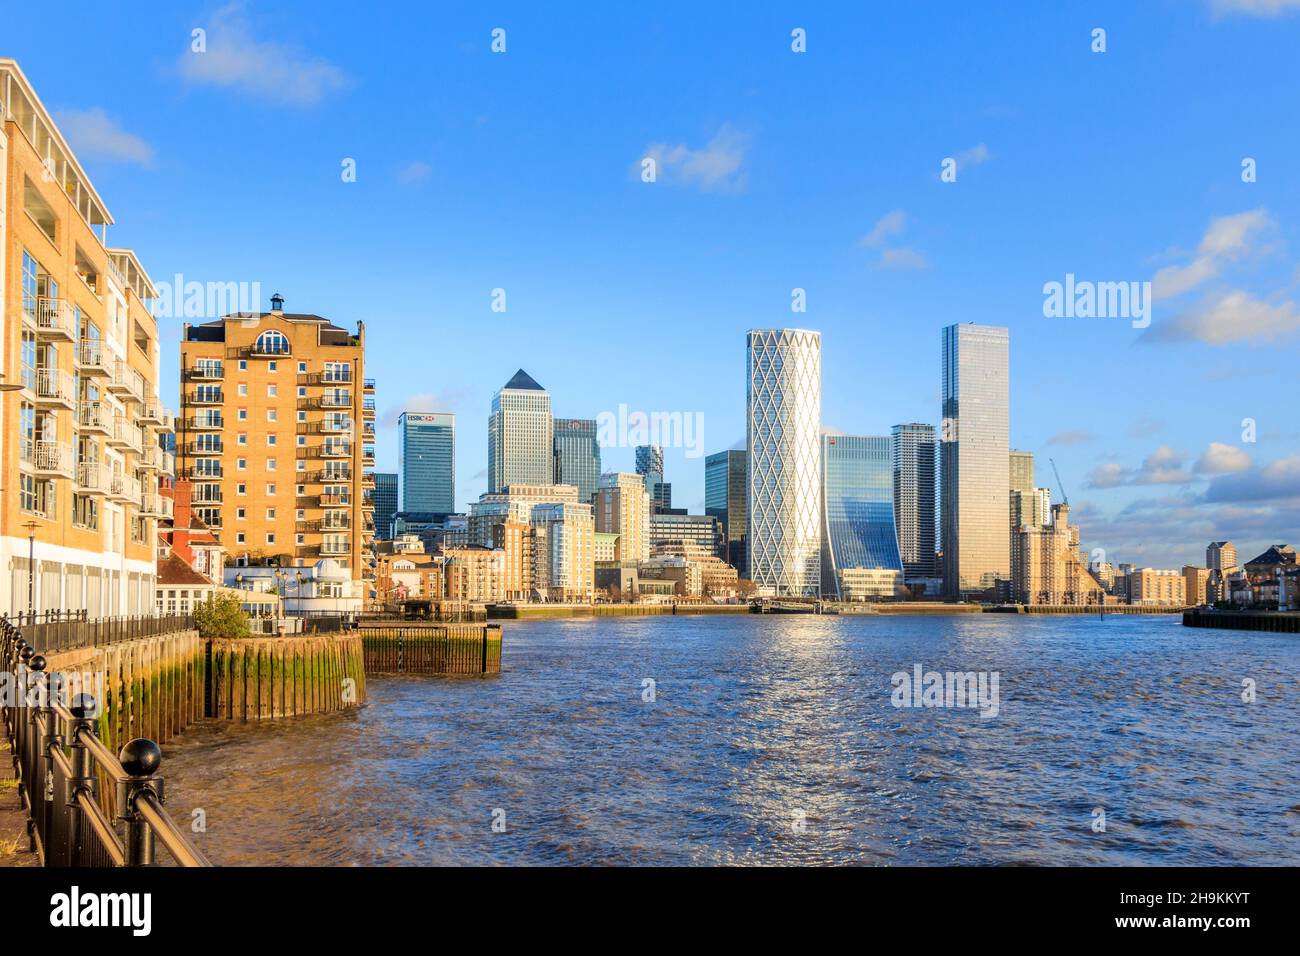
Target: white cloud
{"type": "Point", "coordinates": [94, 135]}
{"type": "Point", "coordinates": [1221, 459]}
{"type": "Point", "coordinates": [715, 167]}
{"type": "Point", "coordinates": [1109, 475]}
{"type": "Point", "coordinates": [235, 59]}
{"type": "Point", "coordinates": [1071, 438]}
{"type": "Point", "coordinates": [412, 173]}
{"type": "Point", "coordinates": [1164, 466]}
{"type": "Point", "coordinates": [1231, 318]}
{"type": "Point", "coordinates": [890, 224]}
{"type": "Point", "coordinates": [1227, 239]}
{"type": "Point", "coordinates": [975, 156]}
{"type": "Point", "coordinates": [902, 260]}
{"type": "Point", "coordinates": [1254, 8]}
{"type": "Point", "coordinates": [1277, 481]}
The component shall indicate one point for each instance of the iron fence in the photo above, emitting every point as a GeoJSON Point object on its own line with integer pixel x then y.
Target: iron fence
{"type": "Point", "coordinates": [55, 631]}
{"type": "Point", "coordinates": [60, 761]}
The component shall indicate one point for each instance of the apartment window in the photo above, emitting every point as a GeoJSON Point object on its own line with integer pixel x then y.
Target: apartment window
{"type": "Point", "coordinates": [240, 514]}
{"type": "Point", "coordinates": [302, 441]}
{"type": "Point", "coordinates": [243, 389]}
{"type": "Point", "coordinates": [242, 439]}
{"type": "Point", "coordinates": [243, 365]}
{"type": "Point", "coordinates": [241, 463]}
{"type": "Point", "coordinates": [275, 366]}
{"type": "Point", "coordinates": [302, 368]}
{"type": "Point", "coordinates": [300, 514]}
{"type": "Point", "coordinates": [271, 439]}
{"type": "Point", "coordinates": [301, 466]}
{"type": "Point", "coordinates": [300, 539]}
{"type": "Point", "coordinates": [208, 367]}
{"type": "Point", "coordinates": [272, 391]}
{"type": "Point", "coordinates": [270, 489]}
{"type": "Point", "coordinates": [41, 212]}
{"type": "Point", "coordinates": [243, 414]}
{"type": "Point", "coordinates": [270, 464]}
{"type": "Point", "coordinates": [270, 537]}
{"type": "Point", "coordinates": [272, 415]}
{"type": "Point", "coordinates": [270, 514]}
{"type": "Point", "coordinates": [302, 416]}
{"type": "Point", "coordinates": [36, 496]}
{"type": "Point", "coordinates": [337, 372]}
{"type": "Point", "coordinates": [241, 489]}
{"type": "Point", "coordinates": [301, 490]}
{"type": "Point", "coordinates": [239, 538]}
{"type": "Point", "coordinates": [85, 512]}
{"type": "Point", "coordinates": [302, 392]}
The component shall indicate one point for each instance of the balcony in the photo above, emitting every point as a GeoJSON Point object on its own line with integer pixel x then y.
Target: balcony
{"type": "Point", "coordinates": [368, 457]}
{"type": "Point", "coordinates": [94, 417]}
{"type": "Point", "coordinates": [211, 422]}
{"type": "Point", "coordinates": [54, 318]}
{"type": "Point", "coordinates": [337, 522]}
{"type": "Point", "coordinates": [368, 431]}
{"type": "Point", "coordinates": [338, 376]}
{"type": "Point", "coordinates": [204, 448]}
{"type": "Point", "coordinates": [368, 409]}
{"type": "Point", "coordinates": [205, 373]}
{"type": "Point", "coordinates": [126, 381]}
{"type": "Point", "coordinates": [51, 387]}
{"type": "Point", "coordinates": [307, 527]}
{"type": "Point", "coordinates": [155, 413]}
{"type": "Point", "coordinates": [124, 434]}
{"type": "Point", "coordinates": [152, 458]}
{"type": "Point", "coordinates": [340, 425]}
{"type": "Point", "coordinates": [368, 386]}
{"type": "Point", "coordinates": [156, 506]}
{"type": "Point", "coordinates": [206, 495]}
{"type": "Point", "coordinates": [338, 449]}
{"type": "Point", "coordinates": [48, 457]}
{"type": "Point", "coordinates": [336, 546]}
{"type": "Point", "coordinates": [367, 479]}
{"type": "Point", "coordinates": [124, 487]}
{"type": "Point", "coordinates": [93, 478]}
{"type": "Point", "coordinates": [205, 469]}
{"type": "Point", "coordinates": [92, 358]}
{"type": "Point", "coordinates": [335, 500]}
{"type": "Point", "coordinates": [205, 396]}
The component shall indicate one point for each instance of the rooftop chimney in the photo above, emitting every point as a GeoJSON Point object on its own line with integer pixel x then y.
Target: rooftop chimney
{"type": "Point", "coordinates": [277, 302]}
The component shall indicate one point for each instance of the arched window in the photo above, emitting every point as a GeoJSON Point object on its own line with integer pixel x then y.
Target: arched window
{"type": "Point", "coordinates": [272, 342]}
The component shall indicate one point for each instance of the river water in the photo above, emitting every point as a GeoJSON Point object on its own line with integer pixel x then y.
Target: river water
{"type": "Point", "coordinates": [773, 740]}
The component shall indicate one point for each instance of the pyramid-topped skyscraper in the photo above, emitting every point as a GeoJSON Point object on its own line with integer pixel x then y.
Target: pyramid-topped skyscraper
{"type": "Point", "coordinates": [521, 435]}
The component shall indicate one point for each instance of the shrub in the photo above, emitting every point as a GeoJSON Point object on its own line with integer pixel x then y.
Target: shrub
{"type": "Point", "coordinates": [221, 617]}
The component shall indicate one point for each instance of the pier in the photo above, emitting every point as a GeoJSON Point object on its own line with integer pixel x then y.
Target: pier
{"type": "Point", "coordinates": [1278, 622]}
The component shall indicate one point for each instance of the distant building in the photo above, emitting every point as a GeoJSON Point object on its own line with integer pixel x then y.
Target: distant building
{"type": "Point", "coordinates": [547, 536]}
{"type": "Point", "coordinates": [1151, 586]}
{"type": "Point", "coordinates": [577, 455]}
{"type": "Point", "coordinates": [521, 435]}
{"type": "Point", "coordinates": [650, 466]}
{"type": "Point", "coordinates": [1020, 471]}
{"type": "Point", "coordinates": [1047, 566]}
{"type": "Point", "coordinates": [915, 503]}
{"type": "Point", "coordinates": [675, 527]}
{"type": "Point", "coordinates": [1196, 585]}
{"type": "Point", "coordinates": [724, 499]}
{"type": "Point", "coordinates": [385, 498]}
{"type": "Point", "coordinates": [783, 438]}
{"type": "Point", "coordinates": [858, 512]}
{"type": "Point", "coordinates": [975, 459]}
{"type": "Point", "coordinates": [1031, 509]}
{"type": "Point", "coordinates": [623, 508]}
{"type": "Point", "coordinates": [426, 462]}
{"type": "Point", "coordinates": [1221, 556]}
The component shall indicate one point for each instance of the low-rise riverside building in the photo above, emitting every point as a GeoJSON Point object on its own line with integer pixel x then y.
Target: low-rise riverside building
{"type": "Point", "coordinates": [622, 507]}
{"type": "Point", "coordinates": [1196, 585]}
{"type": "Point", "coordinates": [80, 457]}
{"type": "Point", "coordinates": [547, 536]}
{"type": "Point", "coordinates": [1047, 569]}
{"type": "Point", "coordinates": [1153, 586]}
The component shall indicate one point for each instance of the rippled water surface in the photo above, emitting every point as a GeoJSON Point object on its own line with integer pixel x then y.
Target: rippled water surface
{"type": "Point", "coordinates": [760, 717]}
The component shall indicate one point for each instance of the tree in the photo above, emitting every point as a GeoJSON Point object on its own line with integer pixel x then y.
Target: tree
{"type": "Point", "coordinates": [221, 617]}
{"type": "Point", "coordinates": [745, 588]}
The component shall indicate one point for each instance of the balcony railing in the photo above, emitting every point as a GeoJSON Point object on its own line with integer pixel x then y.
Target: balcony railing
{"type": "Point", "coordinates": [335, 500]}
{"type": "Point", "coordinates": [206, 495]}
{"type": "Point", "coordinates": [93, 416]}
{"type": "Point", "coordinates": [204, 448]}
{"type": "Point", "coordinates": [341, 449]}
{"type": "Point", "coordinates": [53, 386]}
{"type": "Point", "coordinates": [48, 456]}
{"type": "Point", "coordinates": [93, 358]}
{"type": "Point", "coordinates": [53, 318]}
{"type": "Point", "coordinates": [124, 487]}
{"type": "Point", "coordinates": [124, 433]}
{"type": "Point", "coordinates": [126, 381]}
{"type": "Point", "coordinates": [336, 546]}
{"type": "Point", "coordinates": [205, 396]}
{"type": "Point", "coordinates": [156, 506]}
{"type": "Point", "coordinates": [205, 373]}
{"type": "Point", "coordinates": [93, 478]}
{"type": "Point", "coordinates": [204, 470]}
{"type": "Point", "coordinates": [155, 413]}
{"type": "Point", "coordinates": [209, 422]}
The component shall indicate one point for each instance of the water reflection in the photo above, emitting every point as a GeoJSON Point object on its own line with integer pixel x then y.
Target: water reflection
{"type": "Point", "coordinates": [760, 719]}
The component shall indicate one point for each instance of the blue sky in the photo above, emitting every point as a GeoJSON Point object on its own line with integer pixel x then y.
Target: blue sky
{"type": "Point", "coordinates": [819, 170]}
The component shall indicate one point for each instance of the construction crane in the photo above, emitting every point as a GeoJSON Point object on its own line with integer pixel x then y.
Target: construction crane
{"type": "Point", "coordinates": [1064, 497]}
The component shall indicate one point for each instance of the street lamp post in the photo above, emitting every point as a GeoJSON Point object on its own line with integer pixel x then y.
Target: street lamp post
{"type": "Point", "coordinates": [31, 527]}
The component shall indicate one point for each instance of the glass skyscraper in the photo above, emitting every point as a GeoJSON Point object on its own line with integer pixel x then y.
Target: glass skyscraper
{"type": "Point", "coordinates": [975, 459]}
{"type": "Point", "coordinates": [725, 488]}
{"type": "Point", "coordinates": [521, 435]}
{"type": "Point", "coordinates": [650, 465]}
{"type": "Point", "coordinates": [857, 508]}
{"type": "Point", "coordinates": [426, 462]}
{"type": "Point", "coordinates": [385, 498]}
{"type": "Point", "coordinates": [577, 455]}
{"type": "Point", "coordinates": [915, 490]}
{"type": "Point", "coordinates": [783, 425]}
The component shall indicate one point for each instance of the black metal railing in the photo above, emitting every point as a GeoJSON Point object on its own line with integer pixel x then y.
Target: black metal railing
{"type": "Point", "coordinates": [59, 761]}
{"type": "Point", "coordinates": [50, 631]}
